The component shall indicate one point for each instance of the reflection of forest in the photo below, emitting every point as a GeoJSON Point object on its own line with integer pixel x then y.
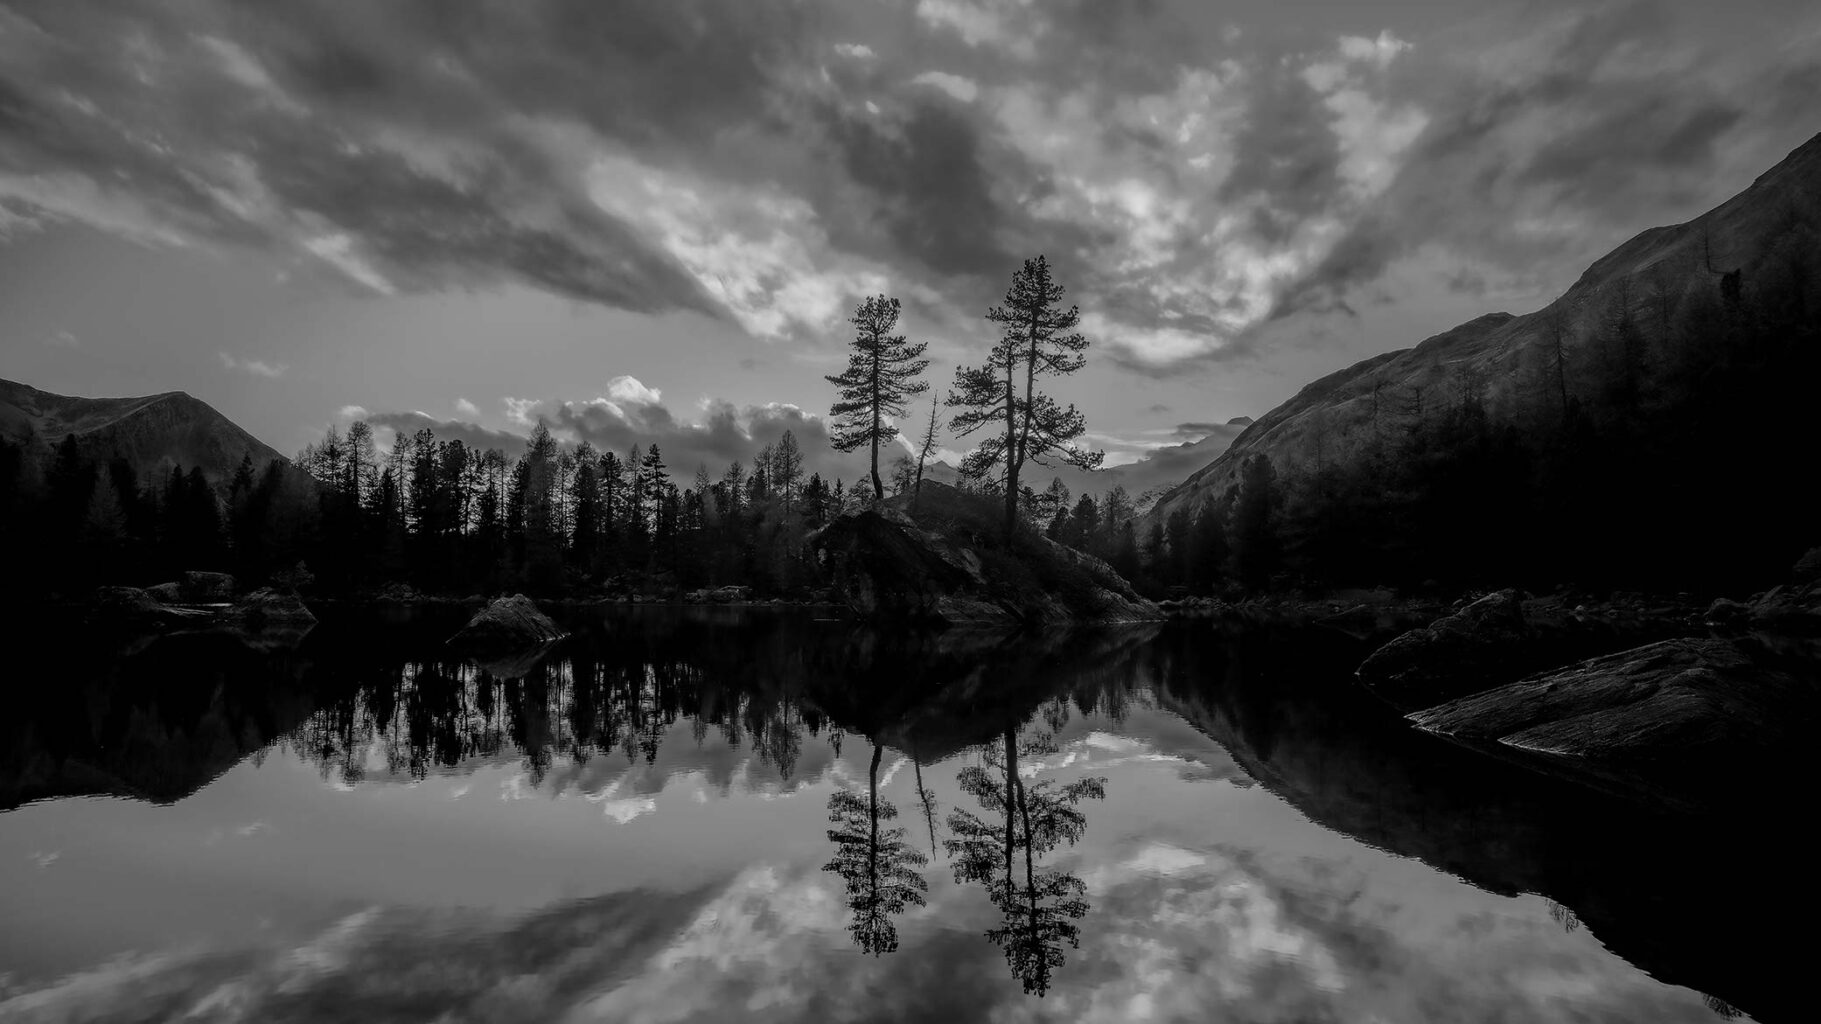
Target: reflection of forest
{"type": "Point", "coordinates": [762, 684]}
{"type": "Point", "coordinates": [359, 697]}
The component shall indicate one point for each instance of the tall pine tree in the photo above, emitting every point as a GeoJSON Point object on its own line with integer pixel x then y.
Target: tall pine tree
{"type": "Point", "coordinates": [1037, 339]}
{"type": "Point", "coordinates": [881, 374]}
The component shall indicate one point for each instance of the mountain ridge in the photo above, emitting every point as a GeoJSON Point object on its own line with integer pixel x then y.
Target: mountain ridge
{"type": "Point", "coordinates": [1499, 358]}
{"type": "Point", "coordinates": [154, 433]}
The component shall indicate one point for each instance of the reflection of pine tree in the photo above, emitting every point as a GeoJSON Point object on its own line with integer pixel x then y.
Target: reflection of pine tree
{"type": "Point", "coordinates": [1039, 908]}
{"type": "Point", "coordinates": [879, 867]}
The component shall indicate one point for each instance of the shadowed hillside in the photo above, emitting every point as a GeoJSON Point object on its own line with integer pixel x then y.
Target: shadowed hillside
{"type": "Point", "coordinates": [1660, 400]}
{"type": "Point", "coordinates": [155, 433]}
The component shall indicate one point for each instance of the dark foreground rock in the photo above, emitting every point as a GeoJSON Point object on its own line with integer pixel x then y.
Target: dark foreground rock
{"type": "Point", "coordinates": [508, 623]}
{"type": "Point", "coordinates": [1678, 723]}
{"type": "Point", "coordinates": [946, 562]}
{"type": "Point", "coordinates": [268, 608]}
{"type": "Point", "coordinates": [1458, 653]}
{"type": "Point", "coordinates": [1504, 636]}
{"type": "Point", "coordinates": [1792, 610]}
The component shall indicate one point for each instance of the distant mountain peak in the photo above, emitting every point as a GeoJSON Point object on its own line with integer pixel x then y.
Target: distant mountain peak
{"type": "Point", "coordinates": [152, 432]}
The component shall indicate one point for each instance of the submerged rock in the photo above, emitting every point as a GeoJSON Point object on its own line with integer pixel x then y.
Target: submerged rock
{"type": "Point", "coordinates": [948, 563]}
{"type": "Point", "coordinates": [1672, 722]}
{"type": "Point", "coordinates": [508, 623]}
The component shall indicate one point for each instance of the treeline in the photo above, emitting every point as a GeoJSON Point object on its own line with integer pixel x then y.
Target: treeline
{"type": "Point", "coordinates": [69, 521]}
{"type": "Point", "coordinates": [1665, 442]}
{"type": "Point", "coordinates": [435, 514]}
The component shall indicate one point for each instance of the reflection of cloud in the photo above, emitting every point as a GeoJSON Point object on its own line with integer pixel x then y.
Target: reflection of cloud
{"type": "Point", "coordinates": [1174, 934]}
{"type": "Point", "coordinates": [43, 859]}
{"type": "Point", "coordinates": [621, 809]}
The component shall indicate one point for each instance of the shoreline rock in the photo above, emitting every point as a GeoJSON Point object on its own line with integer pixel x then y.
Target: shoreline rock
{"type": "Point", "coordinates": [1678, 724]}
{"type": "Point", "coordinates": [1506, 635]}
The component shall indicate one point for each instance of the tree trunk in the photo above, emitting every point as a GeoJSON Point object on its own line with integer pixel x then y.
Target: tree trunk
{"type": "Point", "coordinates": [872, 847]}
{"type": "Point", "coordinates": [1011, 455]}
{"type": "Point", "coordinates": [878, 486]}
{"type": "Point", "coordinates": [1011, 780]}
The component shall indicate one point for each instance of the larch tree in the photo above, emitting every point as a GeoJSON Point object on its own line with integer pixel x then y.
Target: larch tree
{"type": "Point", "coordinates": [1037, 339]}
{"type": "Point", "coordinates": [882, 371]}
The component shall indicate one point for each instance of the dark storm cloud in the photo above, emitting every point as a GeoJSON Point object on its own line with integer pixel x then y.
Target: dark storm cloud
{"type": "Point", "coordinates": [751, 161]}
{"type": "Point", "coordinates": [248, 143]}
{"type": "Point", "coordinates": [932, 196]}
{"type": "Point", "coordinates": [1286, 151]}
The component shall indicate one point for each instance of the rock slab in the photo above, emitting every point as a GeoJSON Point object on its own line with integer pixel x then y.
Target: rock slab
{"type": "Point", "coordinates": [1670, 722]}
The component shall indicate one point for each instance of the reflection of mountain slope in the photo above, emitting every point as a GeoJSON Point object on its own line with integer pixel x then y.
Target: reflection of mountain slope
{"type": "Point", "coordinates": [156, 725]}
{"type": "Point", "coordinates": [1697, 903]}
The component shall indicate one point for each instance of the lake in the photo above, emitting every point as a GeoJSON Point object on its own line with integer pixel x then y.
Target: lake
{"type": "Point", "coordinates": [711, 814]}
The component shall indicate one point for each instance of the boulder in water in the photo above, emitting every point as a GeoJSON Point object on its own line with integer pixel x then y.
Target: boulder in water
{"type": "Point", "coordinates": [267, 608]}
{"type": "Point", "coordinates": [508, 623]}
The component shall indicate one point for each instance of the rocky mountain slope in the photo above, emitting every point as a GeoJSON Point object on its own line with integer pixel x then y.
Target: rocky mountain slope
{"type": "Point", "coordinates": [1626, 315]}
{"type": "Point", "coordinates": [154, 433]}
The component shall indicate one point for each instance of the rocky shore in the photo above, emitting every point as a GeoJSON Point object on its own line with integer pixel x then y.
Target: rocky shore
{"type": "Point", "coordinates": [1676, 709]}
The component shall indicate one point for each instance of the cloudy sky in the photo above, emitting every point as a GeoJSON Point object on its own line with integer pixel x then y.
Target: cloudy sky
{"type": "Point", "coordinates": [649, 219]}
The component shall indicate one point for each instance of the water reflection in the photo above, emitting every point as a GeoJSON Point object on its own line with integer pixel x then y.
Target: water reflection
{"type": "Point", "coordinates": [883, 875]}
{"type": "Point", "coordinates": [1039, 908]}
{"type": "Point", "coordinates": [1004, 742]}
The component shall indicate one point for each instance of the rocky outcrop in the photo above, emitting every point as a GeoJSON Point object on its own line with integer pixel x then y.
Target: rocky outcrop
{"type": "Point", "coordinates": [1808, 567]}
{"type": "Point", "coordinates": [1506, 635]}
{"type": "Point", "coordinates": [1458, 653]}
{"type": "Point", "coordinates": [1792, 609]}
{"type": "Point", "coordinates": [947, 564]}
{"type": "Point", "coordinates": [506, 624]}
{"type": "Point", "coordinates": [1673, 723]}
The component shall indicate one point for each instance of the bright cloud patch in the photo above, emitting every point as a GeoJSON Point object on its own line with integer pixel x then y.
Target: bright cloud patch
{"type": "Point", "coordinates": [256, 367]}
{"type": "Point", "coordinates": [754, 250]}
{"type": "Point", "coordinates": [960, 88]}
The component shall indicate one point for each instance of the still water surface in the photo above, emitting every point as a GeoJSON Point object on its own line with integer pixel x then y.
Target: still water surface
{"type": "Point", "coordinates": [695, 816]}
